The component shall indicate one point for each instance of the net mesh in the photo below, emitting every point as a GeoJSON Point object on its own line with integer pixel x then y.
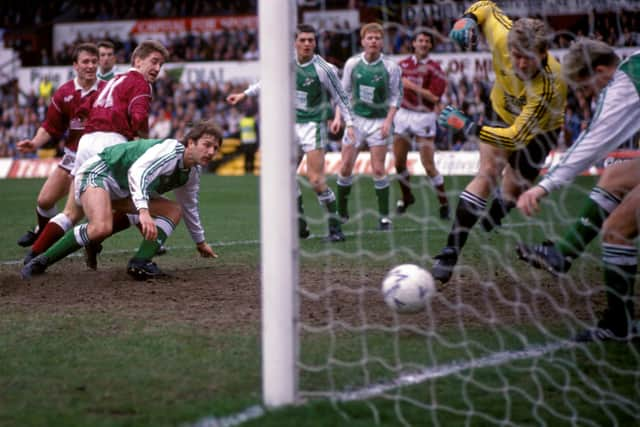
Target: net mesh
{"type": "Point", "coordinates": [495, 345]}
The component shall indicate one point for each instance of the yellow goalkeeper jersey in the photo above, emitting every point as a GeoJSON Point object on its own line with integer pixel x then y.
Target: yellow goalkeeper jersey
{"type": "Point", "coordinates": [528, 107]}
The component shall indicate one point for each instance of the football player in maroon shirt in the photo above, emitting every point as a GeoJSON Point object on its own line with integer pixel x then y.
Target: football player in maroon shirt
{"type": "Point", "coordinates": [63, 119]}
{"type": "Point", "coordinates": [423, 82]}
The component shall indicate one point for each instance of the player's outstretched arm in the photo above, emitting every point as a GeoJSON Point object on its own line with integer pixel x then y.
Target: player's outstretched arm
{"type": "Point", "coordinates": [235, 98]}
{"type": "Point", "coordinates": [31, 145]}
{"type": "Point", "coordinates": [464, 32]}
{"type": "Point", "coordinates": [529, 201]}
{"type": "Point", "coordinates": [147, 225]}
{"type": "Point", "coordinates": [205, 250]}
{"type": "Point", "coordinates": [453, 119]}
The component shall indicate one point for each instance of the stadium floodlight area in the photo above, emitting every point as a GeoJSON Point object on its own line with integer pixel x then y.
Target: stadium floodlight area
{"type": "Point", "coordinates": [493, 346]}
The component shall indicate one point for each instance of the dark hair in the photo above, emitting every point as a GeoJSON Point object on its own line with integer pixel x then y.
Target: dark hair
{"type": "Point", "coordinates": [107, 44]}
{"type": "Point", "coordinates": [423, 33]}
{"type": "Point", "coordinates": [305, 28]}
{"type": "Point", "coordinates": [203, 127]}
{"type": "Point", "coordinates": [84, 47]}
{"type": "Point", "coordinates": [146, 48]}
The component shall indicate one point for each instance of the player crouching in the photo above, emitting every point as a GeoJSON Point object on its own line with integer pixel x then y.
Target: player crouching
{"type": "Point", "coordinates": [128, 178]}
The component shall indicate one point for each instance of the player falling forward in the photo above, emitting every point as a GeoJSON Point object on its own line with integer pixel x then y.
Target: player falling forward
{"type": "Point", "coordinates": [423, 82]}
{"type": "Point", "coordinates": [126, 177]}
{"type": "Point", "coordinates": [593, 68]}
{"type": "Point", "coordinates": [63, 116]}
{"type": "Point", "coordinates": [529, 98]}
{"type": "Point", "coordinates": [317, 84]}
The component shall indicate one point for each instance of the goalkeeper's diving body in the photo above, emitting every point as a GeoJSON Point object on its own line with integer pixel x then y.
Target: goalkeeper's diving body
{"type": "Point", "coordinates": [528, 100]}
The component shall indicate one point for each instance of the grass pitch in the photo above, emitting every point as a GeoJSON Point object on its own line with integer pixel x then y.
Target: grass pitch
{"type": "Point", "coordinates": [83, 348]}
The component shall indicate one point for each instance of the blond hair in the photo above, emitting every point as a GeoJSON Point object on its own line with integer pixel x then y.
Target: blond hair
{"type": "Point", "coordinates": [371, 27]}
{"type": "Point", "coordinates": [584, 56]}
{"type": "Point", "coordinates": [529, 35]}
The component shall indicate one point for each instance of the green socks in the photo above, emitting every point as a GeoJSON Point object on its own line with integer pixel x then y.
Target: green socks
{"type": "Point", "coordinates": [587, 227]}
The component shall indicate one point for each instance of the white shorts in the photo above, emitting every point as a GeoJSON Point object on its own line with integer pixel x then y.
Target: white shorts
{"type": "Point", "coordinates": [68, 160]}
{"type": "Point", "coordinates": [312, 136]}
{"type": "Point", "coordinates": [368, 132]}
{"type": "Point", "coordinates": [409, 123]}
{"type": "Point", "coordinates": [92, 143]}
{"type": "Point", "coordinates": [95, 173]}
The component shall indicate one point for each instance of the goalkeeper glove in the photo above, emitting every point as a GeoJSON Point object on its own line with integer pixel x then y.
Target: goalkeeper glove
{"type": "Point", "coordinates": [464, 32]}
{"type": "Point", "coordinates": [452, 118]}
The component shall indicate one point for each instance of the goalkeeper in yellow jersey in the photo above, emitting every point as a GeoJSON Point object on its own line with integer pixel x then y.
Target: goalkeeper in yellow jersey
{"type": "Point", "coordinates": [528, 101]}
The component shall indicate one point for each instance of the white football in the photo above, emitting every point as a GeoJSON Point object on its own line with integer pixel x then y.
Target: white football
{"type": "Point", "coordinates": [407, 287]}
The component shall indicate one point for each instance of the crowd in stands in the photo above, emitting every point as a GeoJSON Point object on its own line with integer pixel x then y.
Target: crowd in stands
{"type": "Point", "coordinates": [176, 104]}
{"type": "Point", "coordinates": [229, 44]}
{"type": "Point", "coordinates": [339, 44]}
{"type": "Point", "coordinates": [36, 12]}
{"type": "Point", "coordinates": [620, 28]}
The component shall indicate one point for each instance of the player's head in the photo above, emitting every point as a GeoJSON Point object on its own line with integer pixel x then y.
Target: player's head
{"type": "Point", "coordinates": [371, 36]}
{"type": "Point", "coordinates": [148, 58]}
{"type": "Point", "coordinates": [85, 61]}
{"type": "Point", "coordinates": [528, 42]}
{"type": "Point", "coordinates": [106, 55]}
{"type": "Point", "coordinates": [305, 42]}
{"type": "Point", "coordinates": [202, 142]}
{"type": "Point", "coordinates": [589, 65]}
{"type": "Point", "coordinates": [422, 43]}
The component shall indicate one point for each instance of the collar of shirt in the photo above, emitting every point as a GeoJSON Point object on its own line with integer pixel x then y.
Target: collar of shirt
{"type": "Point", "coordinates": [303, 64]}
{"type": "Point", "coordinates": [422, 61]}
{"type": "Point", "coordinates": [364, 59]}
{"type": "Point", "coordinates": [136, 70]}
{"type": "Point", "coordinates": [83, 93]}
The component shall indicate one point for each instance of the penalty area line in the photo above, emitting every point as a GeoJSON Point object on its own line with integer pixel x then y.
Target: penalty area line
{"type": "Point", "coordinates": [415, 378]}
{"type": "Point", "coordinates": [250, 413]}
{"type": "Point", "coordinates": [248, 242]}
{"type": "Point", "coordinates": [440, 371]}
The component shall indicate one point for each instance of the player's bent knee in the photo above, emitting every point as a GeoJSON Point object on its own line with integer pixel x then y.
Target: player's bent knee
{"type": "Point", "coordinates": [317, 183]}
{"type": "Point", "coordinates": [46, 202]}
{"type": "Point", "coordinates": [99, 231]}
{"type": "Point", "coordinates": [173, 211]}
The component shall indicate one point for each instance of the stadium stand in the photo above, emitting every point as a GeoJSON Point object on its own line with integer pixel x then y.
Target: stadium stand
{"type": "Point", "coordinates": [29, 33]}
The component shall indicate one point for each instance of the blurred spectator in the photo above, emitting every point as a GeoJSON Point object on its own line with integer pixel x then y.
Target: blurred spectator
{"type": "Point", "coordinates": [617, 27]}
{"type": "Point", "coordinates": [249, 140]}
{"type": "Point", "coordinates": [45, 88]}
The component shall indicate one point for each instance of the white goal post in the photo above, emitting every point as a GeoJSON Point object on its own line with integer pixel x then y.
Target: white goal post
{"type": "Point", "coordinates": [279, 240]}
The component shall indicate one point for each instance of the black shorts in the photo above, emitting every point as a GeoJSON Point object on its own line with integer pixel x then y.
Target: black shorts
{"type": "Point", "coordinates": [529, 160]}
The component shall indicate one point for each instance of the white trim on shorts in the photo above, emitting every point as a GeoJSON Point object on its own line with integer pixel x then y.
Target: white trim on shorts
{"type": "Point", "coordinates": [408, 123]}
{"type": "Point", "coordinates": [312, 136]}
{"type": "Point", "coordinates": [367, 131]}
{"type": "Point", "coordinates": [68, 160]}
{"type": "Point", "coordinates": [95, 173]}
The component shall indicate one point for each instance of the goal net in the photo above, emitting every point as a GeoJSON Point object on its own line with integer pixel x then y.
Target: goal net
{"type": "Point", "coordinates": [495, 345]}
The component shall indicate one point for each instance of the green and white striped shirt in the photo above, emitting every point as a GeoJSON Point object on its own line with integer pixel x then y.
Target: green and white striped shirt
{"type": "Point", "coordinates": [155, 166]}
{"type": "Point", "coordinates": [615, 120]}
{"type": "Point", "coordinates": [317, 83]}
{"type": "Point", "coordinates": [374, 87]}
